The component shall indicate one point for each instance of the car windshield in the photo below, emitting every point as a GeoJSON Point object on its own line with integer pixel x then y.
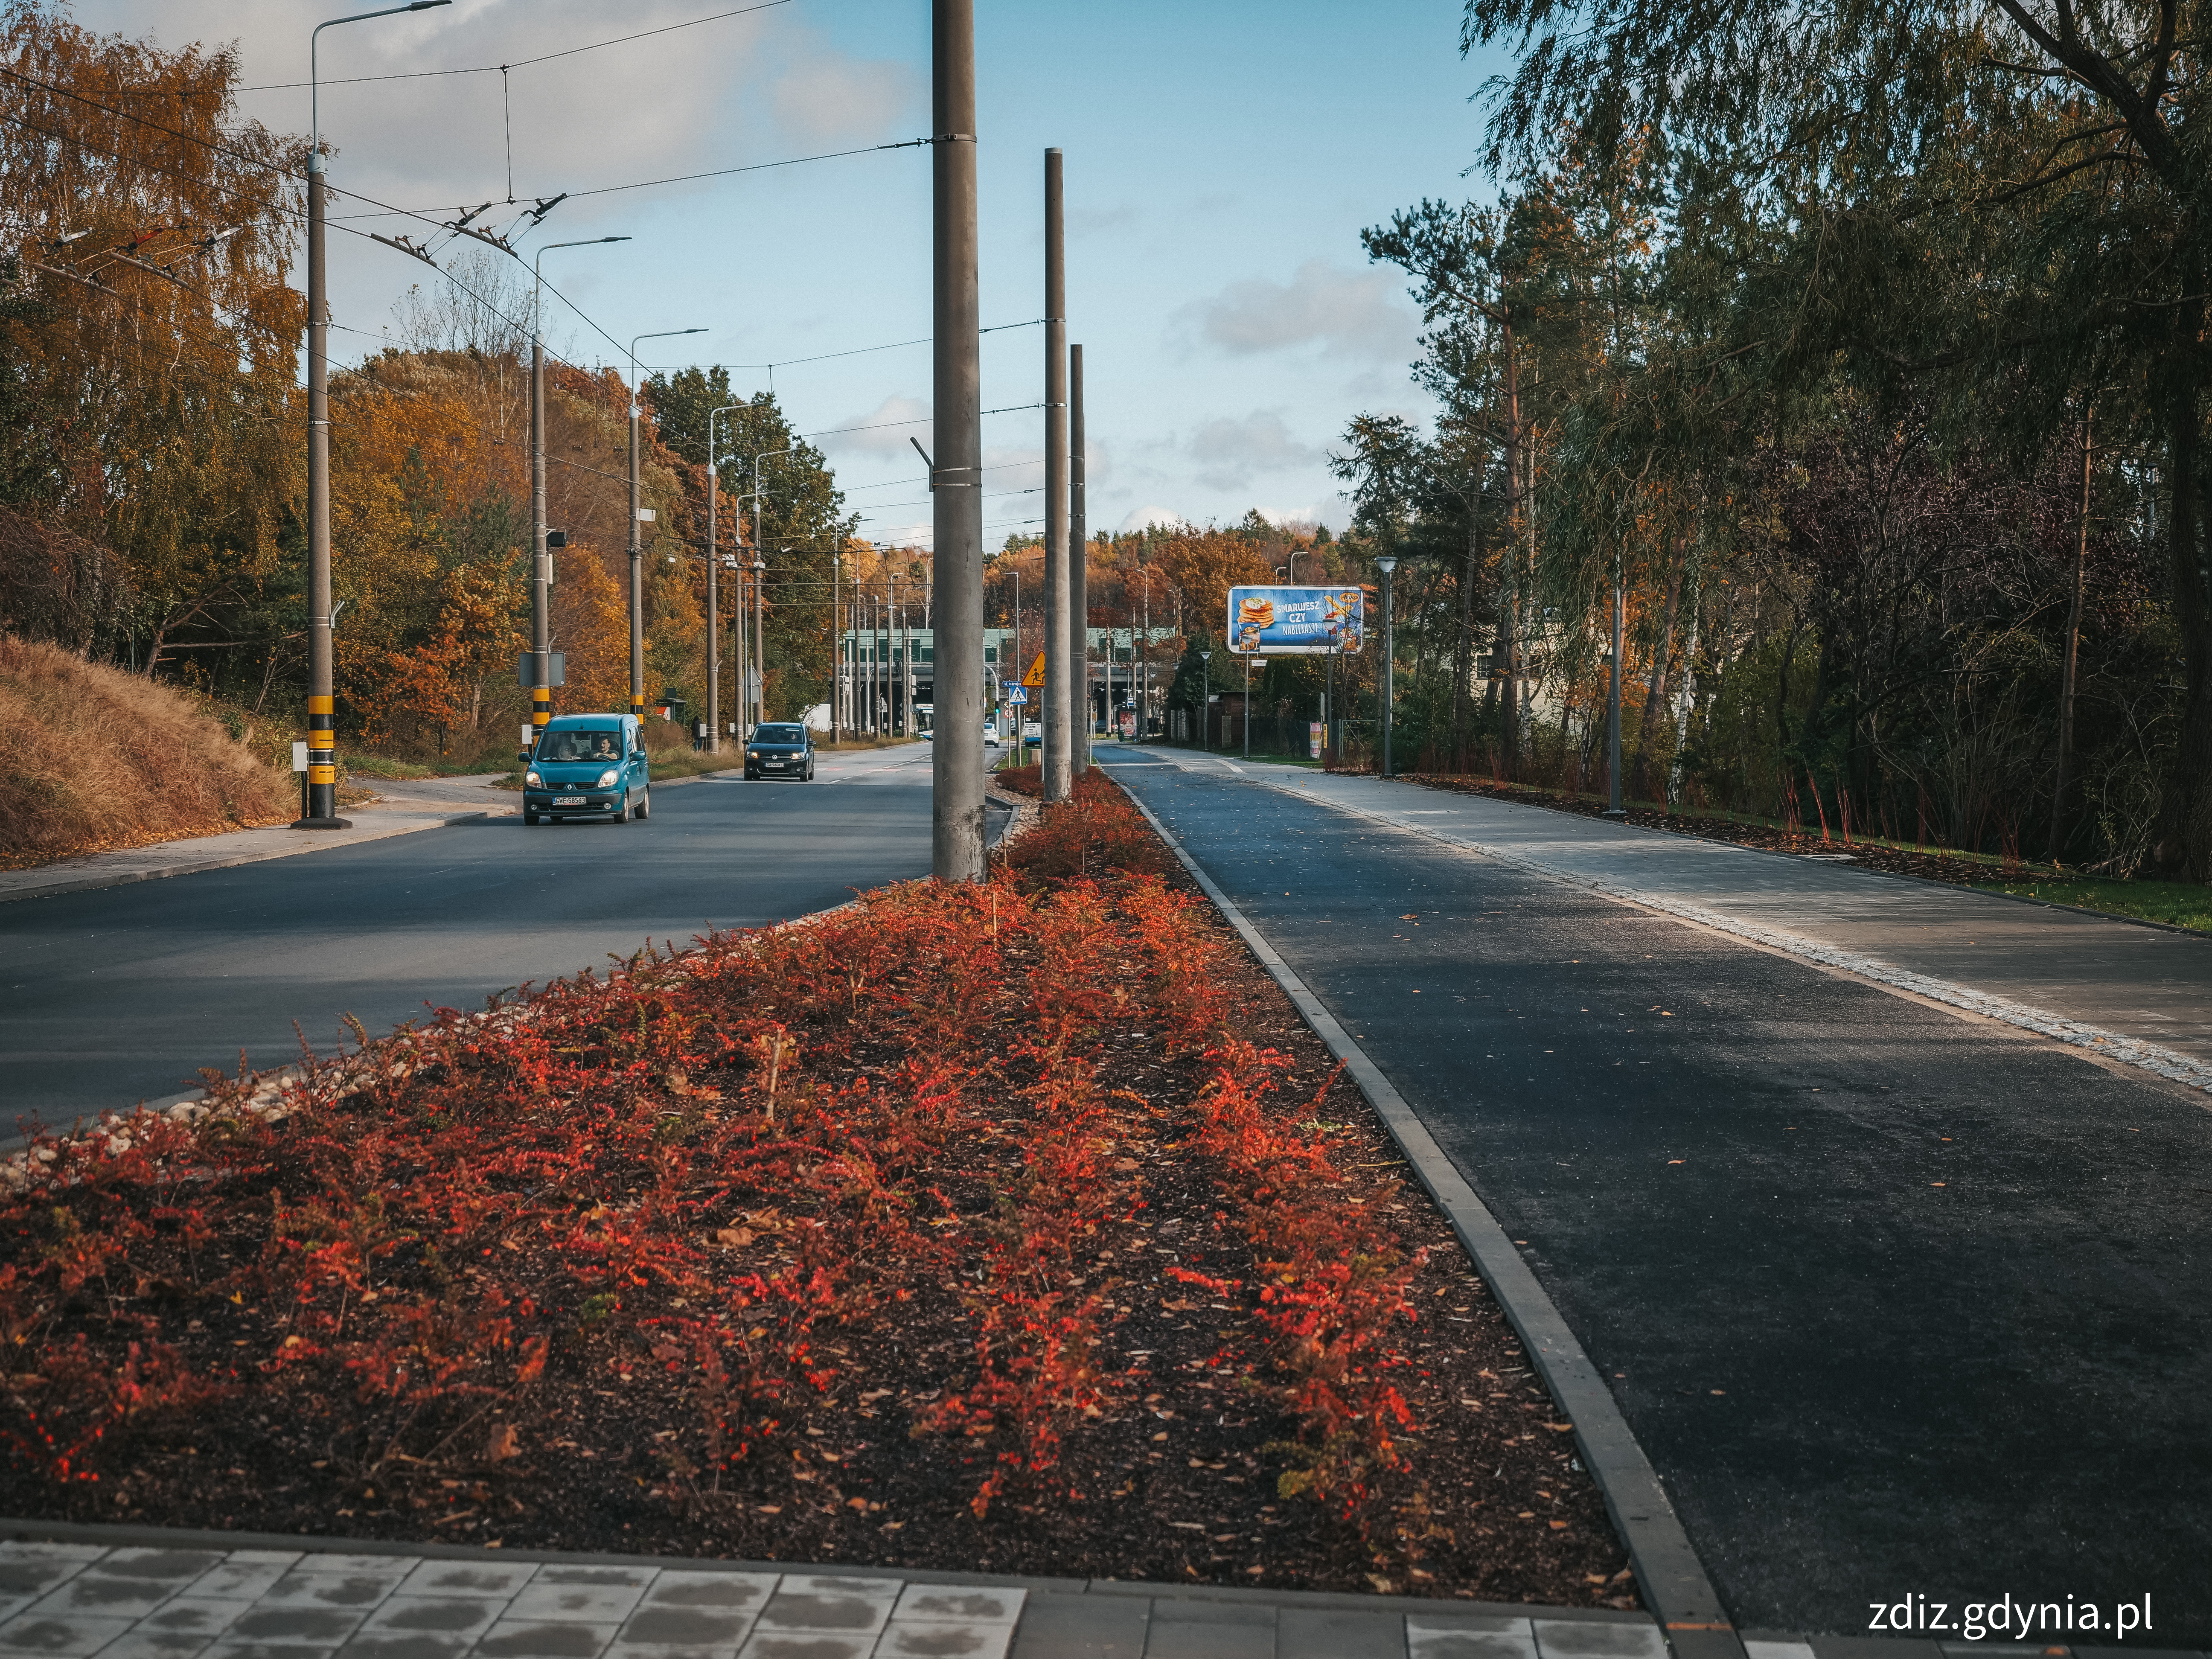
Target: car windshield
{"type": "Point", "coordinates": [791, 734]}
{"type": "Point", "coordinates": [579, 745]}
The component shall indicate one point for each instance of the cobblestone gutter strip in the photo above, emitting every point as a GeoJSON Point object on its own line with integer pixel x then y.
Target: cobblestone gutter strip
{"type": "Point", "coordinates": [1668, 1575]}
{"type": "Point", "coordinates": [1028, 813]}
{"type": "Point", "coordinates": [2110, 1045]}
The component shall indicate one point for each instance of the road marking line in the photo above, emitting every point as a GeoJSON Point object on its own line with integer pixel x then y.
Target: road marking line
{"type": "Point", "coordinates": [2168, 1063]}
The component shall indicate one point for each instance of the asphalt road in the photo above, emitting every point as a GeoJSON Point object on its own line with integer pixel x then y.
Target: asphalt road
{"type": "Point", "coordinates": [1896, 1302]}
{"type": "Point", "coordinates": [121, 994]}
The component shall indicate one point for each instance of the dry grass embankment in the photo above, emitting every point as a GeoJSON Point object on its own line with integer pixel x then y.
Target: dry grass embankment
{"type": "Point", "coordinates": [99, 758]}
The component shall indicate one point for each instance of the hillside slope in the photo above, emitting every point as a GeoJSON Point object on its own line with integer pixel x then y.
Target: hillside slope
{"type": "Point", "coordinates": [98, 758]}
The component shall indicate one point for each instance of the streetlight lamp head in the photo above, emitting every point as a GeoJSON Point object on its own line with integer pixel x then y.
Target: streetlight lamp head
{"type": "Point", "coordinates": [425, 5]}
{"type": "Point", "coordinates": [1386, 563]}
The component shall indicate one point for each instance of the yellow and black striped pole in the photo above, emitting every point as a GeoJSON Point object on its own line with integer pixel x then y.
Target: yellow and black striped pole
{"type": "Point", "coordinates": [322, 739]}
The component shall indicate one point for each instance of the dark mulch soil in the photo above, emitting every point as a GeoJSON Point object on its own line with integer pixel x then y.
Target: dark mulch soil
{"type": "Point", "coordinates": [1930, 865]}
{"type": "Point", "coordinates": [1177, 1482]}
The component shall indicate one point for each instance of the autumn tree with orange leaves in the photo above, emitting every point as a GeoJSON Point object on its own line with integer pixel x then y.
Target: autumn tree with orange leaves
{"type": "Point", "coordinates": [149, 340]}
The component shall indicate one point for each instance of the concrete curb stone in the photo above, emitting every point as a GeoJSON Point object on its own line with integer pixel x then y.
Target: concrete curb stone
{"type": "Point", "coordinates": [1671, 1579]}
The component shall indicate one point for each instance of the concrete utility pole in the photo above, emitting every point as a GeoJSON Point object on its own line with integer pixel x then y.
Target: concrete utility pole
{"type": "Point", "coordinates": [1614, 809]}
{"type": "Point", "coordinates": [637, 549]}
{"type": "Point", "coordinates": [1059, 711]}
{"type": "Point", "coordinates": [1078, 570]}
{"type": "Point", "coordinates": [322, 680]}
{"type": "Point", "coordinates": [837, 645]}
{"type": "Point", "coordinates": [956, 811]}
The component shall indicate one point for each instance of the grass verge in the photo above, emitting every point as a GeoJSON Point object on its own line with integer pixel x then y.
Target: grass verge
{"type": "Point", "coordinates": [100, 759]}
{"type": "Point", "coordinates": [1020, 1226]}
{"type": "Point", "coordinates": [2179, 904]}
{"type": "Point", "coordinates": [2176, 903]}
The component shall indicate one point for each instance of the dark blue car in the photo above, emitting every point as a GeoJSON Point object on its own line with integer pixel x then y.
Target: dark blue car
{"type": "Point", "coordinates": [780, 749]}
{"type": "Point", "coordinates": [586, 765]}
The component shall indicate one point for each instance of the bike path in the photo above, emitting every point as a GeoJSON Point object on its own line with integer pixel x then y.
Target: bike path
{"type": "Point", "coordinates": [1898, 1302]}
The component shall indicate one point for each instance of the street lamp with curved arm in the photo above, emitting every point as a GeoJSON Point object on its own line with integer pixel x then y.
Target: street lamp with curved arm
{"type": "Point", "coordinates": [321, 805]}
{"type": "Point", "coordinates": [637, 545]}
{"type": "Point", "coordinates": [714, 616]}
{"type": "Point", "coordinates": [541, 562]}
{"type": "Point", "coordinates": [759, 566]}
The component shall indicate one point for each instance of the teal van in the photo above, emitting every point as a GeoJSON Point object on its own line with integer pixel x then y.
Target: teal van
{"type": "Point", "coordinates": [587, 764]}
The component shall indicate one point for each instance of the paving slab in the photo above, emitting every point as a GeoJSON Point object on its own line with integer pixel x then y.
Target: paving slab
{"type": "Point", "coordinates": [1436, 1638]}
{"type": "Point", "coordinates": [450, 1603]}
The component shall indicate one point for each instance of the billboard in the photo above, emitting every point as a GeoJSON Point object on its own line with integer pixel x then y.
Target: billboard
{"type": "Point", "coordinates": [1293, 621]}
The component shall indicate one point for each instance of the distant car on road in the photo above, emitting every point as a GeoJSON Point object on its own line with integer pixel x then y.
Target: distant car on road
{"type": "Point", "coordinates": [990, 737]}
{"type": "Point", "coordinates": [587, 764]}
{"type": "Point", "coordinates": [785, 749]}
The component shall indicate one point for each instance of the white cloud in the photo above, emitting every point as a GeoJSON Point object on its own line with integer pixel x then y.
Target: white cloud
{"type": "Point", "coordinates": [1331, 510]}
{"type": "Point", "coordinates": [1231, 452]}
{"type": "Point", "coordinates": [832, 98]}
{"type": "Point", "coordinates": [1347, 312]}
{"type": "Point", "coordinates": [881, 434]}
{"type": "Point", "coordinates": [727, 92]}
{"type": "Point", "coordinates": [1145, 517]}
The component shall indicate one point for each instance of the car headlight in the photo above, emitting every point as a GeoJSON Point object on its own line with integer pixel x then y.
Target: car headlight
{"type": "Point", "coordinates": [533, 780]}
{"type": "Point", "coordinates": [607, 778]}
{"type": "Point", "coordinates": [752, 754]}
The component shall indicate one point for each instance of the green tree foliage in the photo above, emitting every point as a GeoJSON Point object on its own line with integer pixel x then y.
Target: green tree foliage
{"type": "Point", "coordinates": [147, 342]}
{"type": "Point", "coordinates": [1991, 218]}
{"type": "Point", "coordinates": [801, 525]}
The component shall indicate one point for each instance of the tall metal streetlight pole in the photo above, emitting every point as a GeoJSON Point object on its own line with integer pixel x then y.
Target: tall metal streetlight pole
{"type": "Point", "coordinates": [541, 560]}
{"type": "Point", "coordinates": [1059, 711]}
{"type": "Point", "coordinates": [1205, 698]}
{"type": "Point", "coordinates": [1614, 809]}
{"type": "Point", "coordinates": [1079, 573]}
{"type": "Point", "coordinates": [322, 679]}
{"type": "Point", "coordinates": [759, 710]}
{"type": "Point", "coordinates": [637, 550]}
{"type": "Point", "coordinates": [746, 696]}
{"type": "Point", "coordinates": [713, 598]}
{"type": "Point", "coordinates": [1386, 563]}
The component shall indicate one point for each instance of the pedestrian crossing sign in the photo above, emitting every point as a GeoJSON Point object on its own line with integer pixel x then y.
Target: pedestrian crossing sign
{"type": "Point", "coordinates": [1016, 696]}
{"type": "Point", "coordinates": [1036, 676]}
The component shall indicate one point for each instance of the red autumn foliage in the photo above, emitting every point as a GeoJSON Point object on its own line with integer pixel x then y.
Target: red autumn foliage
{"type": "Point", "coordinates": [711, 1172]}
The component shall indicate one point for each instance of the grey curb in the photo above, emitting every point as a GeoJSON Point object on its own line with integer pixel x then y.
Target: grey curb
{"type": "Point", "coordinates": [1671, 1579]}
{"type": "Point", "coordinates": [308, 844]}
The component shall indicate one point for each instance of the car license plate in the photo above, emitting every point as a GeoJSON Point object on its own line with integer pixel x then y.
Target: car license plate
{"type": "Point", "coordinates": [568, 800]}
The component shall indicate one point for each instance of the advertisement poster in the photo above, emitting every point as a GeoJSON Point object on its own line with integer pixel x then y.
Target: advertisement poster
{"type": "Point", "coordinates": [1291, 621]}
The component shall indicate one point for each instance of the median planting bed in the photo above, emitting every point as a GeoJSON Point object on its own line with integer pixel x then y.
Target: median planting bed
{"type": "Point", "coordinates": [1020, 1227]}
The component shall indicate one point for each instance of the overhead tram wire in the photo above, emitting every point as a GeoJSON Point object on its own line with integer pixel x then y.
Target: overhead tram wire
{"type": "Point", "coordinates": [386, 209]}
{"type": "Point", "coordinates": [546, 57]}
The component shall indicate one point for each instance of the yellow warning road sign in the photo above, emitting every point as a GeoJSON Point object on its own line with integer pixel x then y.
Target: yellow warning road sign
{"type": "Point", "coordinates": [1036, 676]}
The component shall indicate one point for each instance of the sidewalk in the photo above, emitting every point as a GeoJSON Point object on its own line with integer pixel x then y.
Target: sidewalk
{"type": "Point", "coordinates": [2136, 994]}
{"type": "Point", "coordinates": [391, 814]}
{"type": "Point", "coordinates": [140, 1592]}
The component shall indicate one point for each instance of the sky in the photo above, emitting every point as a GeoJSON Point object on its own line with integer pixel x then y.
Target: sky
{"type": "Point", "coordinates": [1221, 160]}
